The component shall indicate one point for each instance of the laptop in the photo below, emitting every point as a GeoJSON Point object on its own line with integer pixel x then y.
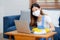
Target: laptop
{"type": "Point", "coordinates": [22, 26]}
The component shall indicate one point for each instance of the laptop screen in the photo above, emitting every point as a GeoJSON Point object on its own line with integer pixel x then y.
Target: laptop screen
{"type": "Point", "coordinates": [25, 16]}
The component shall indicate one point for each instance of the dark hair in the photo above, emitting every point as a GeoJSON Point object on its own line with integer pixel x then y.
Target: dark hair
{"type": "Point", "coordinates": [35, 5]}
{"type": "Point", "coordinates": [33, 22]}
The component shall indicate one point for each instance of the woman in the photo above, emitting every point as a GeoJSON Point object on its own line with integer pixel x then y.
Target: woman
{"type": "Point", "coordinates": [40, 19]}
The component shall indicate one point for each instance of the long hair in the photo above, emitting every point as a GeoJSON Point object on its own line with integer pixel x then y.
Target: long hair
{"type": "Point", "coordinates": [33, 22]}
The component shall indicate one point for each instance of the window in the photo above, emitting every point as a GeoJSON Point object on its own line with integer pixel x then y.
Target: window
{"type": "Point", "coordinates": [47, 3]}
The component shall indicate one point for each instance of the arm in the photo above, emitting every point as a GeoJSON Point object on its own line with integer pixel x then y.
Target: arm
{"type": "Point", "coordinates": [49, 21]}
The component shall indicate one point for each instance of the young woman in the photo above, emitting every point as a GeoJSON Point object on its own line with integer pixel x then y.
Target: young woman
{"type": "Point", "coordinates": [39, 19]}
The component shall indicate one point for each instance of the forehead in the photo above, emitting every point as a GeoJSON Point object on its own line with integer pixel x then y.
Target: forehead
{"type": "Point", "coordinates": [34, 8]}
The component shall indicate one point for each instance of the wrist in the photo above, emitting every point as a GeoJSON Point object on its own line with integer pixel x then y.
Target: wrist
{"type": "Point", "coordinates": [52, 30]}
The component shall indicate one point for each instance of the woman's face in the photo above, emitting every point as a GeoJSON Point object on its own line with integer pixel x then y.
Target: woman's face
{"type": "Point", "coordinates": [36, 11]}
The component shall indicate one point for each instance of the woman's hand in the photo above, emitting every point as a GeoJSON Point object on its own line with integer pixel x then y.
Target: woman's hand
{"type": "Point", "coordinates": [52, 28]}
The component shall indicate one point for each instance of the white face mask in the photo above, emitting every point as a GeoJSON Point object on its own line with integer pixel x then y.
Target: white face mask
{"type": "Point", "coordinates": [36, 13]}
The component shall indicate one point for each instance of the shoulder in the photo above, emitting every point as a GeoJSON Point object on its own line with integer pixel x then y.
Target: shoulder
{"type": "Point", "coordinates": [47, 17]}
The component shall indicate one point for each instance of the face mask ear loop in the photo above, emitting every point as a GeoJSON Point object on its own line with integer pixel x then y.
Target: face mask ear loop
{"type": "Point", "coordinates": [40, 10]}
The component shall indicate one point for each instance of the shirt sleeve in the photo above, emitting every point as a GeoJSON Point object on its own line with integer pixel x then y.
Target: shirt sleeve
{"type": "Point", "coordinates": [45, 11]}
{"type": "Point", "coordinates": [48, 19]}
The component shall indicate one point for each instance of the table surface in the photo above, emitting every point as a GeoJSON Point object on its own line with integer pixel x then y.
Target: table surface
{"type": "Point", "coordinates": [33, 35]}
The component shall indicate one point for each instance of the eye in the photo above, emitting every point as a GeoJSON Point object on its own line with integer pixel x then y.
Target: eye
{"type": "Point", "coordinates": [35, 9]}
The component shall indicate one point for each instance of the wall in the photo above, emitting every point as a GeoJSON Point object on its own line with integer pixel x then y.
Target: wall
{"type": "Point", "coordinates": [11, 7]}
{"type": "Point", "coordinates": [1, 15]}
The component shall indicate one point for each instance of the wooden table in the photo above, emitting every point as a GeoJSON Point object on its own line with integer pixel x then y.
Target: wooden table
{"type": "Point", "coordinates": [24, 36]}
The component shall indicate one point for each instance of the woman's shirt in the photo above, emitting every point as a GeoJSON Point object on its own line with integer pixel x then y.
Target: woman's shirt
{"type": "Point", "coordinates": [46, 20]}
